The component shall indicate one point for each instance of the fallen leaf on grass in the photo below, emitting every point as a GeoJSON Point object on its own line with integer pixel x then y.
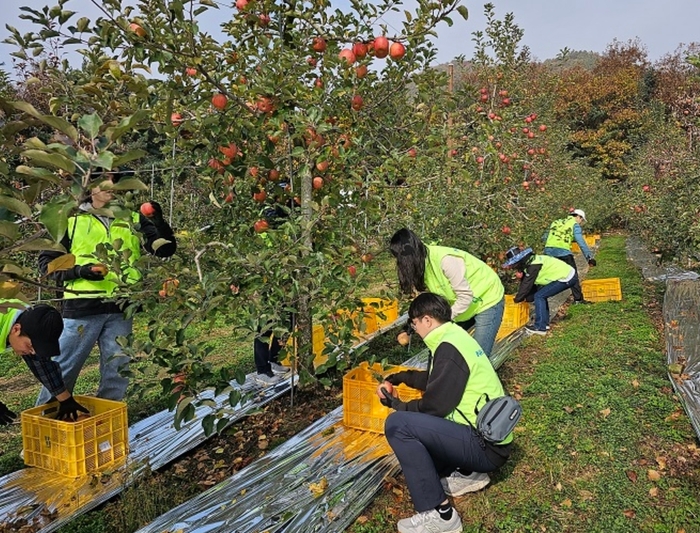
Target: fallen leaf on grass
{"type": "Point", "coordinates": [558, 486]}
{"type": "Point", "coordinates": [675, 415]}
{"type": "Point", "coordinates": [605, 412]}
{"type": "Point", "coordinates": [586, 495]}
{"type": "Point", "coordinates": [629, 513]}
{"type": "Point", "coordinates": [654, 492]}
{"type": "Point", "coordinates": [397, 492]}
{"type": "Point", "coordinates": [632, 476]}
{"type": "Point", "coordinates": [568, 409]}
{"type": "Point", "coordinates": [566, 503]}
{"type": "Point", "coordinates": [635, 383]}
{"type": "Point", "coordinates": [362, 519]}
{"type": "Point", "coordinates": [661, 461]}
{"type": "Point", "coordinates": [653, 475]}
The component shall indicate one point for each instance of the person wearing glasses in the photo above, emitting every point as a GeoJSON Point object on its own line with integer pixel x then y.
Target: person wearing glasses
{"type": "Point", "coordinates": [434, 438]}
{"type": "Point", "coordinates": [472, 288]}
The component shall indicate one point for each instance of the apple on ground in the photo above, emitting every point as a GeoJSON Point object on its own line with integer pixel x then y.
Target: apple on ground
{"type": "Point", "coordinates": [403, 338]}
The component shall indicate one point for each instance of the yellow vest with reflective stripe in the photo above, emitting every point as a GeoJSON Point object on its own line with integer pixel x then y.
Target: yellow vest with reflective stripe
{"type": "Point", "coordinates": [86, 232]}
{"type": "Point", "coordinates": [484, 282]}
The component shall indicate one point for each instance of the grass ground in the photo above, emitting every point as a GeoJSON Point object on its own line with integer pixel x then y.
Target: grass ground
{"type": "Point", "coordinates": [604, 445]}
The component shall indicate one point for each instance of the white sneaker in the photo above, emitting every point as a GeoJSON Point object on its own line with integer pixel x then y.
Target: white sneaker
{"type": "Point", "coordinates": [430, 522]}
{"type": "Point", "coordinates": [457, 484]}
{"type": "Point", "coordinates": [266, 379]}
{"type": "Point", "coordinates": [533, 331]}
{"type": "Point", "coordinates": [279, 369]}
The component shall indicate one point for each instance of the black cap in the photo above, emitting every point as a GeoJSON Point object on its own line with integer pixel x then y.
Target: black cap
{"type": "Point", "coordinates": [43, 325]}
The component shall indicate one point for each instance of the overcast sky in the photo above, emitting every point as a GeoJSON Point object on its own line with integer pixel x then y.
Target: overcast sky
{"type": "Point", "coordinates": [549, 25]}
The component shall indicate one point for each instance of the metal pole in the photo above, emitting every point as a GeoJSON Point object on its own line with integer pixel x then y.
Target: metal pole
{"type": "Point", "coordinates": [172, 187]}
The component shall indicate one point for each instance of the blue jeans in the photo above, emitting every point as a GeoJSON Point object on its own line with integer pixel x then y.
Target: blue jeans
{"type": "Point", "coordinates": [541, 303]}
{"type": "Point", "coordinates": [78, 338]}
{"type": "Point", "coordinates": [429, 447]}
{"type": "Point", "coordinates": [486, 325]}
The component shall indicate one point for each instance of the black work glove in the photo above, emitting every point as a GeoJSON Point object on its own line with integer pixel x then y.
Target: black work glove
{"type": "Point", "coordinates": [157, 216]}
{"type": "Point", "coordinates": [86, 272]}
{"type": "Point", "coordinates": [388, 399]}
{"type": "Point", "coordinates": [68, 410]}
{"type": "Point", "coordinates": [6, 416]}
{"type": "Point", "coordinates": [592, 262]}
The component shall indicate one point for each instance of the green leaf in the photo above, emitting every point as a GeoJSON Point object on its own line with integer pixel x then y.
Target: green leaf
{"type": "Point", "coordinates": [54, 216]}
{"type": "Point", "coordinates": [36, 245]}
{"type": "Point", "coordinates": [159, 242]}
{"type": "Point", "coordinates": [208, 424]}
{"type": "Point", "coordinates": [36, 172]}
{"type": "Point", "coordinates": [126, 125]}
{"type": "Point", "coordinates": [104, 160]}
{"type": "Point", "coordinates": [9, 230]}
{"type": "Point", "coordinates": [183, 413]}
{"type": "Point", "coordinates": [51, 160]}
{"type": "Point", "coordinates": [60, 124]}
{"type": "Point", "coordinates": [15, 205]}
{"type": "Point", "coordinates": [128, 157]}
{"type": "Point", "coordinates": [129, 184]}
{"type": "Point", "coordinates": [209, 3]}
{"type": "Point", "coordinates": [90, 124]}
{"type": "Point", "coordinates": [83, 24]}
{"type": "Point", "coordinates": [462, 10]}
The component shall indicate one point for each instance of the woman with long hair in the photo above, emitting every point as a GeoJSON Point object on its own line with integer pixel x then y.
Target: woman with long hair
{"type": "Point", "coordinates": [473, 290]}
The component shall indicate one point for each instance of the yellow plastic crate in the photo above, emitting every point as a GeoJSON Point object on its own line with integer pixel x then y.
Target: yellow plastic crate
{"type": "Point", "coordinates": [515, 316]}
{"type": "Point", "coordinates": [601, 290]}
{"type": "Point", "coordinates": [318, 343]}
{"type": "Point", "coordinates": [361, 406]}
{"type": "Point", "coordinates": [383, 310]}
{"type": "Point", "coordinates": [74, 449]}
{"type": "Point", "coordinates": [591, 241]}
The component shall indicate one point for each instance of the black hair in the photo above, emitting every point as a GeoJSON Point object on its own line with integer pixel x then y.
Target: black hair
{"type": "Point", "coordinates": [410, 254]}
{"type": "Point", "coordinates": [432, 305]}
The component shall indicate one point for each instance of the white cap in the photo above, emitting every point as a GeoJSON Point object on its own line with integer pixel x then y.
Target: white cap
{"type": "Point", "coordinates": [580, 213]}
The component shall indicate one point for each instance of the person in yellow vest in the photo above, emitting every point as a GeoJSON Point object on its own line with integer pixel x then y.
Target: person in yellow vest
{"type": "Point", "coordinates": [558, 239]}
{"type": "Point", "coordinates": [97, 318]}
{"type": "Point", "coordinates": [472, 288]}
{"type": "Point", "coordinates": [434, 439]}
{"type": "Point", "coordinates": [541, 277]}
{"type": "Point", "coordinates": [32, 332]}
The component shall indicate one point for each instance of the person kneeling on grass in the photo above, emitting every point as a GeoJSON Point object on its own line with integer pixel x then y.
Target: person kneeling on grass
{"type": "Point", "coordinates": [33, 333]}
{"type": "Point", "coordinates": [434, 439]}
{"type": "Point", "coordinates": [541, 277]}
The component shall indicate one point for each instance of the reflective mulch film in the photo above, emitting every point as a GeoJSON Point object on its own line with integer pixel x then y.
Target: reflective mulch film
{"type": "Point", "coordinates": [681, 311]}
